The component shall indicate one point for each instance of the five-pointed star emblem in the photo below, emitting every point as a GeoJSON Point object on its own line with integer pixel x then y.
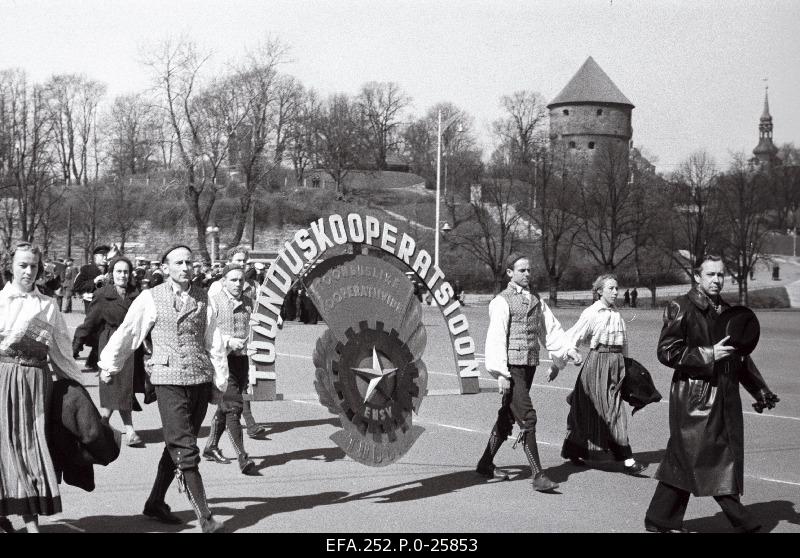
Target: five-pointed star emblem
{"type": "Point", "coordinates": [376, 373]}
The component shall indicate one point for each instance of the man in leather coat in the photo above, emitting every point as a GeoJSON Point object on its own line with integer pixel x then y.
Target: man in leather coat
{"type": "Point", "coordinates": [705, 452]}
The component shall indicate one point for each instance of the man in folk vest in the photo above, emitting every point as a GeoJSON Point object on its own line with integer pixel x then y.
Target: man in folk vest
{"type": "Point", "coordinates": [518, 322]}
{"type": "Point", "coordinates": [70, 273]}
{"type": "Point", "coordinates": [188, 355]}
{"type": "Point", "coordinates": [239, 255]}
{"type": "Point", "coordinates": [233, 309]}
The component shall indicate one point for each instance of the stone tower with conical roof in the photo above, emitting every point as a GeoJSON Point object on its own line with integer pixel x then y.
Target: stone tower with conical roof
{"type": "Point", "coordinates": [765, 152]}
{"type": "Point", "coordinates": [590, 114]}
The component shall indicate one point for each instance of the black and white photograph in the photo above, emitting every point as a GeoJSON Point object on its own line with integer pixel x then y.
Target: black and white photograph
{"type": "Point", "coordinates": [407, 275]}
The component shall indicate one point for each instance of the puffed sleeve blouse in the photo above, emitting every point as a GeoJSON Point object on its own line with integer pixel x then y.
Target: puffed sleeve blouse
{"type": "Point", "coordinates": [34, 315]}
{"type": "Point", "coordinates": [599, 325]}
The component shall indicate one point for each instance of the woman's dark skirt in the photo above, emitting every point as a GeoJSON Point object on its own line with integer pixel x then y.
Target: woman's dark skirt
{"type": "Point", "coordinates": [597, 425]}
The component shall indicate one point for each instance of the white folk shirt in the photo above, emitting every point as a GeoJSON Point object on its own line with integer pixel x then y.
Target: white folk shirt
{"type": "Point", "coordinates": [599, 324]}
{"type": "Point", "coordinates": [552, 336]}
{"type": "Point", "coordinates": [139, 321]}
{"type": "Point", "coordinates": [35, 314]}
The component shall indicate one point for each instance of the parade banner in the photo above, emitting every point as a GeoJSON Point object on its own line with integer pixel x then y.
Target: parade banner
{"type": "Point", "coordinates": [369, 368]}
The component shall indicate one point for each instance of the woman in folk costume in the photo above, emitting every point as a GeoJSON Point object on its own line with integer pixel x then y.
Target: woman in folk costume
{"type": "Point", "coordinates": [597, 424]}
{"type": "Point", "coordinates": [33, 338]}
{"type": "Point", "coordinates": [106, 313]}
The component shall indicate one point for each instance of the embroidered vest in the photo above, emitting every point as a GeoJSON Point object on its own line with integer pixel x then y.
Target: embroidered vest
{"type": "Point", "coordinates": [524, 326]}
{"type": "Point", "coordinates": [179, 354]}
{"type": "Point", "coordinates": [233, 321]}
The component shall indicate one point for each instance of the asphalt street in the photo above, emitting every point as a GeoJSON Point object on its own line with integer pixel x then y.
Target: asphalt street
{"type": "Point", "coordinates": [307, 484]}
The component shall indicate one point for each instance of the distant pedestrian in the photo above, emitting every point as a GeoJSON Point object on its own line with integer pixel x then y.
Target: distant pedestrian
{"type": "Point", "coordinates": [154, 275]}
{"type": "Point", "coordinates": [70, 273]}
{"type": "Point", "coordinates": [289, 308]}
{"type": "Point", "coordinates": [139, 272]}
{"type": "Point", "coordinates": [90, 278]}
{"type": "Point", "coordinates": [627, 297]}
{"type": "Point", "coordinates": [458, 291]}
{"type": "Point", "coordinates": [634, 297]}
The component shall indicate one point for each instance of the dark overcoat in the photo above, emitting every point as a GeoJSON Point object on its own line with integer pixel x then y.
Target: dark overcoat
{"type": "Point", "coordinates": [106, 313]}
{"type": "Point", "coordinates": [77, 437]}
{"type": "Point", "coordinates": [705, 452]}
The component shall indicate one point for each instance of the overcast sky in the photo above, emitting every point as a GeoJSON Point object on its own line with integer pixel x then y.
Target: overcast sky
{"type": "Point", "coordinates": [694, 69]}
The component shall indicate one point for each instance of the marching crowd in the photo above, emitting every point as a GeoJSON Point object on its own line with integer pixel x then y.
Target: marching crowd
{"type": "Point", "coordinates": [177, 331]}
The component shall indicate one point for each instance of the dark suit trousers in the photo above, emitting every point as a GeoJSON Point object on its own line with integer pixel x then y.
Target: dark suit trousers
{"type": "Point", "coordinates": [517, 405]}
{"type": "Point", "coordinates": [668, 507]}
{"type": "Point", "coordinates": [182, 410]}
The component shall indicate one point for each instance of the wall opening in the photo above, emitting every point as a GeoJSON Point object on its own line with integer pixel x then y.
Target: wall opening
{"type": "Point", "coordinates": [591, 145]}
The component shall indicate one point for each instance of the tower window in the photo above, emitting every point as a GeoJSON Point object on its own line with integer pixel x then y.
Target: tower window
{"type": "Point", "coordinates": [572, 145]}
{"type": "Point", "coordinates": [591, 145]}
{"type": "Point", "coordinates": [566, 112]}
{"type": "Point", "coordinates": [599, 112]}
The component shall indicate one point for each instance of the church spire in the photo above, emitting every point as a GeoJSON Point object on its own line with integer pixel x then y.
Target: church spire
{"type": "Point", "coordinates": [765, 151]}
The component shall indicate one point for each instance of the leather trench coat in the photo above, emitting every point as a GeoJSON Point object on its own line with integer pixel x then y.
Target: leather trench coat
{"type": "Point", "coordinates": [705, 452]}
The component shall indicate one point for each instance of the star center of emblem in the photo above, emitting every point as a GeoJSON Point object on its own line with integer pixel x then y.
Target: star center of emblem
{"type": "Point", "coordinates": [376, 374]}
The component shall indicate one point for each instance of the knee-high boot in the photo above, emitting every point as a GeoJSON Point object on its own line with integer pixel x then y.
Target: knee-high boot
{"type": "Point", "coordinates": [234, 429]}
{"type": "Point", "coordinates": [254, 430]}
{"type": "Point", "coordinates": [486, 466]}
{"type": "Point", "coordinates": [191, 481]}
{"type": "Point", "coordinates": [540, 480]}
{"type": "Point", "coordinates": [212, 451]}
{"type": "Point", "coordinates": [155, 506]}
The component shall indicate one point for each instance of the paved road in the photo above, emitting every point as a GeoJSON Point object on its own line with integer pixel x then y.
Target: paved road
{"type": "Point", "coordinates": [307, 484]}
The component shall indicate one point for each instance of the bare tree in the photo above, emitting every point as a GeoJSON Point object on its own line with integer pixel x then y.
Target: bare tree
{"type": "Point", "coordinates": [691, 217]}
{"type": "Point", "coordinates": [551, 183]}
{"type": "Point", "coordinates": [130, 134]}
{"type": "Point", "coordinates": [73, 101]}
{"type": "Point", "coordinates": [419, 148]}
{"type": "Point", "coordinates": [127, 203]}
{"type": "Point", "coordinates": [744, 202]}
{"type": "Point", "coordinates": [267, 104]}
{"type": "Point", "coordinates": [523, 127]}
{"type": "Point", "coordinates": [488, 231]}
{"type": "Point", "coordinates": [556, 190]}
{"type": "Point", "coordinates": [25, 158]}
{"type": "Point", "coordinates": [301, 137]}
{"type": "Point", "coordinates": [785, 182]}
{"type": "Point", "coordinates": [606, 208]}
{"type": "Point", "coordinates": [381, 104]}
{"type": "Point", "coordinates": [175, 67]}
{"type": "Point", "coordinates": [340, 139]}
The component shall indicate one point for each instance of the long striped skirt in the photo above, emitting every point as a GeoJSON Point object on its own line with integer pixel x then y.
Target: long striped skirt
{"type": "Point", "coordinates": [28, 482]}
{"type": "Point", "coordinates": [597, 425]}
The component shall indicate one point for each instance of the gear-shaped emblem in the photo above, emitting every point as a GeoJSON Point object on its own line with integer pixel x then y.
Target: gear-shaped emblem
{"type": "Point", "coordinates": [373, 382]}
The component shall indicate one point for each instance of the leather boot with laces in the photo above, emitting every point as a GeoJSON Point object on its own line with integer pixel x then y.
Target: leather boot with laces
{"type": "Point", "coordinates": [486, 467]}
{"type": "Point", "coordinates": [192, 482]}
{"type": "Point", "coordinates": [212, 452]}
{"type": "Point", "coordinates": [541, 482]}
{"type": "Point", "coordinates": [155, 507]}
